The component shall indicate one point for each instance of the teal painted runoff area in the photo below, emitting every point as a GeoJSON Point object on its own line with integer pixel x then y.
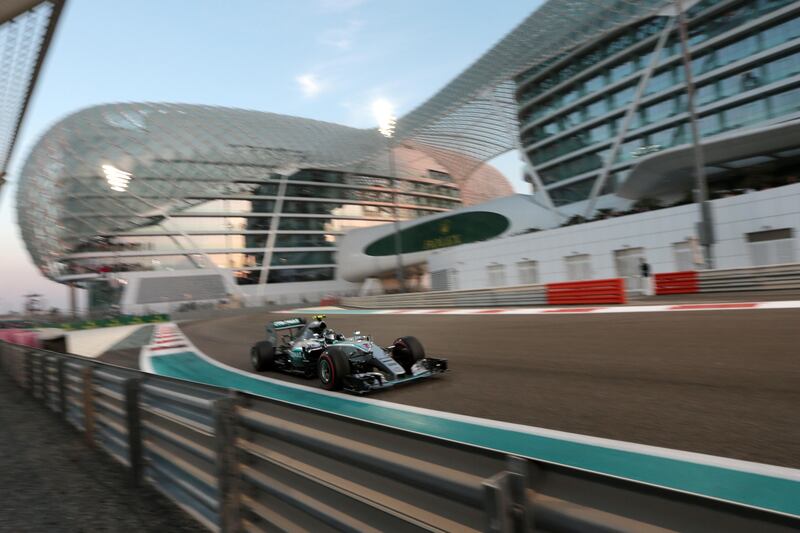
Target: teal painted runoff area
{"type": "Point", "coordinates": [758, 490]}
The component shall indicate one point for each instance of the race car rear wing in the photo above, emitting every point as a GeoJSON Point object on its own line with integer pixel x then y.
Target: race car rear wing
{"type": "Point", "coordinates": [280, 325]}
{"type": "Point", "coordinates": [289, 323]}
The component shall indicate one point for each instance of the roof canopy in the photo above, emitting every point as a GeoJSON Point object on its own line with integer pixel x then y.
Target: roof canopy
{"type": "Point", "coordinates": [26, 28]}
{"type": "Point", "coordinates": [476, 114]}
{"type": "Point", "coordinates": [672, 171]}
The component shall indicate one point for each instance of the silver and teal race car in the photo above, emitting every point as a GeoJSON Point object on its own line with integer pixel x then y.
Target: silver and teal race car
{"type": "Point", "coordinates": [355, 364]}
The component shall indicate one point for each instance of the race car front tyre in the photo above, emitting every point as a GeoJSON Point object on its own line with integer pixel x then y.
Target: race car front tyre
{"type": "Point", "coordinates": [407, 351]}
{"type": "Point", "coordinates": [332, 367]}
{"type": "Point", "coordinates": [262, 356]}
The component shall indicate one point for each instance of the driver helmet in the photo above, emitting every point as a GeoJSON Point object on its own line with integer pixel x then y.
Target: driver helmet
{"type": "Point", "coordinates": [318, 327]}
{"type": "Point", "coordinates": [330, 336]}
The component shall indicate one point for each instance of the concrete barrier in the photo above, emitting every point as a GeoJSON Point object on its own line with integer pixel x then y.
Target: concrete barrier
{"type": "Point", "coordinates": [599, 291]}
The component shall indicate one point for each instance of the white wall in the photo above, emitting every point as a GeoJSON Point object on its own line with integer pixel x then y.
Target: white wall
{"type": "Point", "coordinates": [128, 300]}
{"type": "Point", "coordinates": [355, 265]}
{"type": "Point", "coordinates": [310, 292]}
{"type": "Point", "coordinates": [655, 231]}
{"type": "Point", "coordinates": [250, 295]}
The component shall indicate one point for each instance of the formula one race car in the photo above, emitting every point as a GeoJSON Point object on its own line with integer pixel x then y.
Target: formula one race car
{"type": "Point", "coordinates": [355, 364]}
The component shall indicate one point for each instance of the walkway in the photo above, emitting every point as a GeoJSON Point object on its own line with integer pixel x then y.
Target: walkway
{"type": "Point", "coordinates": [52, 482]}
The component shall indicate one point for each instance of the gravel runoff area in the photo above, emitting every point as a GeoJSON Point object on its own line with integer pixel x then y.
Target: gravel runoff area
{"type": "Point", "coordinates": [725, 383]}
{"type": "Point", "coordinates": [52, 482]}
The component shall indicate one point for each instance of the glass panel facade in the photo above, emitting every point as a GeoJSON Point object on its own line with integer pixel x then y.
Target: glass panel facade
{"type": "Point", "coordinates": [301, 258]}
{"type": "Point", "coordinates": [744, 115]}
{"type": "Point", "coordinates": [574, 192]}
{"type": "Point", "coordinates": [295, 275]}
{"type": "Point", "coordinates": [724, 79]}
{"type": "Point", "coordinates": [305, 240]}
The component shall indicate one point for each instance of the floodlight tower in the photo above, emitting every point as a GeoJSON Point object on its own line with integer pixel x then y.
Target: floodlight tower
{"type": "Point", "coordinates": [387, 121]}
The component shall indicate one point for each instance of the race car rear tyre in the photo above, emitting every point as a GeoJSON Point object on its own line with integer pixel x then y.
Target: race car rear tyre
{"type": "Point", "coordinates": [407, 351]}
{"type": "Point", "coordinates": [262, 356]}
{"type": "Point", "coordinates": [332, 367]}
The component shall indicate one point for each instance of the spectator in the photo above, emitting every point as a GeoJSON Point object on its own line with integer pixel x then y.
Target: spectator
{"type": "Point", "coordinates": [644, 271]}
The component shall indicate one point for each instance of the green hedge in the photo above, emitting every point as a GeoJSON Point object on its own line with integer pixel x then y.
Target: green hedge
{"type": "Point", "coordinates": [123, 320]}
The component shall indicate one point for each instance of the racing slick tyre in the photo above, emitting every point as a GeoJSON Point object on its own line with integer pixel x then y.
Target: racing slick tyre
{"type": "Point", "coordinates": [262, 356]}
{"type": "Point", "coordinates": [407, 351]}
{"type": "Point", "coordinates": [332, 367]}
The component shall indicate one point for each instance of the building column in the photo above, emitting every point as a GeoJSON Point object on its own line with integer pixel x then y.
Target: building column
{"type": "Point", "coordinates": [73, 300]}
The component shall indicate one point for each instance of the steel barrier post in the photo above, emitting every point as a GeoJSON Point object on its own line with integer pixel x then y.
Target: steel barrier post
{"type": "Point", "coordinates": [88, 405]}
{"type": "Point", "coordinates": [133, 420]}
{"type": "Point", "coordinates": [28, 355]}
{"type": "Point", "coordinates": [62, 387]}
{"type": "Point", "coordinates": [495, 490]}
{"type": "Point", "coordinates": [38, 373]}
{"type": "Point", "coordinates": [506, 499]}
{"type": "Point", "coordinates": [521, 513]}
{"type": "Point", "coordinates": [227, 467]}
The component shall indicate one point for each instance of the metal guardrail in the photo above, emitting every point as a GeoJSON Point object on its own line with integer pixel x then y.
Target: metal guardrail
{"type": "Point", "coordinates": [237, 462]}
{"type": "Point", "coordinates": [764, 278]}
{"type": "Point", "coordinates": [773, 277]}
{"type": "Point", "coordinates": [517, 295]}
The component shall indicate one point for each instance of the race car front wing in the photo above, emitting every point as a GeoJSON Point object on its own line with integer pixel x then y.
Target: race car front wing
{"type": "Point", "coordinates": [371, 381]}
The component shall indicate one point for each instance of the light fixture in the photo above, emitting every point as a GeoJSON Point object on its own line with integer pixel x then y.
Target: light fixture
{"type": "Point", "coordinates": [117, 179]}
{"type": "Point", "coordinates": [383, 111]}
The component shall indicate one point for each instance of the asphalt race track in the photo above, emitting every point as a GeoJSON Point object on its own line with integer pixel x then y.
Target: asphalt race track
{"type": "Point", "coordinates": [719, 382]}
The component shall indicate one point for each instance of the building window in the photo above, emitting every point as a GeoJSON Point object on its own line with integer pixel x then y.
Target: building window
{"type": "Point", "coordinates": [707, 94]}
{"type": "Point", "coordinates": [301, 275]}
{"type": "Point", "coordinates": [442, 280]}
{"type": "Point", "coordinates": [784, 103]}
{"type": "Point", "coordinates": [600, 133]}
{"type": "Point", "coordinates": [497, 275]}
{"type": "Point", "coordinates": [781, 33]}
{"type": "Point", "coordinates": [709, 125]}
{"type": "Point", "coordinates": [445, 279]}
{"type": "Point", "coordinates": [597, 108]}
{"type": "Point", "coordinates": [574, 192]}
{"type": "Point", "coordinates": [660, 82]}
{"type": "Point", "coordinates": [745, 114]}
{"type": "Point", "coordinates": [771, 247]}
{"type": "Point", "coordinates": [623, 97]}
{"type": "Point", "coordinates": [621, 71]}
{"type": "Point", "coordinates": [528, 272]}
{"type": "Point", "coordinates": [579, 267]}
{"type": "Point", "coordinates": [595, 84]}
{"type": "Point", "coordinates": [438, 175]}
{"type": "Point", "coordinates": [684, 253]}
{"type": "Point", "coordinates": [452, 279]}
{"type": "Point", "coordinates": [782, 68]}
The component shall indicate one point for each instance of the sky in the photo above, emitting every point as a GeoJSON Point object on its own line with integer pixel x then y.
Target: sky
{"type": "Point", "coordinates": [322, 59]}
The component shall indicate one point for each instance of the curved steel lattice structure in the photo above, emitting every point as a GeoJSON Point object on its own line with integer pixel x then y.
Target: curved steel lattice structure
{"type": "Point", "coordinates": [26, 28]}
{"type": "Point", "coordinates": [476, 113]}
{"type": "Point", "coordinates": [170, 179]}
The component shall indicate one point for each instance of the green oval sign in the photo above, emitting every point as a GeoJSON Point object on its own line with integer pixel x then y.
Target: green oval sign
{"type": "Point", "coordinates": [457, 229]}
